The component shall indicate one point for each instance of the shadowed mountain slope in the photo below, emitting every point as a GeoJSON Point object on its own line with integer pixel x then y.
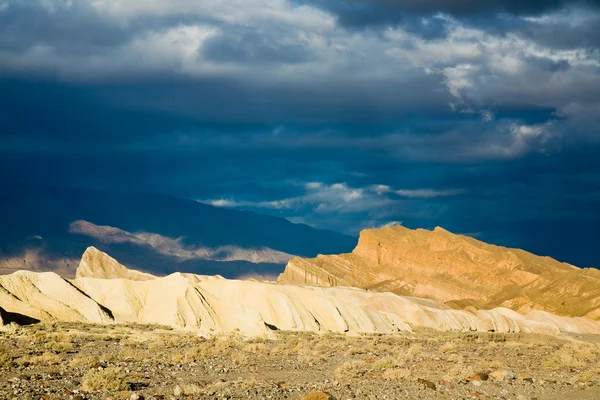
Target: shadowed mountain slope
{"type": "Point", "coordinates": [454, 269]}
{"type": "Point", "coordinates": [48, 228]}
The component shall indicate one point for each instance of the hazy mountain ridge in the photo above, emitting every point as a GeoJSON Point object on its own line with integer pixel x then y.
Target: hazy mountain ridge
{"type": "Point", "coordinates": [48, 228]}
{"type": "Point", "coordinates": [454, 269]}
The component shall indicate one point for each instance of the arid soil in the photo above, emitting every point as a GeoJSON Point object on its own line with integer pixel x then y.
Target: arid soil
{"type": "Point", "coordinates": [74, 361]}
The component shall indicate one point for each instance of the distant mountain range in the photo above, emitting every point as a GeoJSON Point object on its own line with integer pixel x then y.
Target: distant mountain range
{"type": "Point", "coordinates": [49, 228]}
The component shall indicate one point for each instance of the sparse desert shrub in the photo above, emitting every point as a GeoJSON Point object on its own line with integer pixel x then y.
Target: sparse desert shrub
{"type": "Point", "coordinates": [351, 369]}
{"type": "Point", "coordinates": [492, 345]}
{"type": "Point", "coordinates": [59, 346]}
{"type": "Point", "coordinates": [5, 356]}
{"type": "Point", "coordinates": [455, 358]}
{"type": "Point", "coordinates": [562, 358]}
{"type": "Point", "coordinates": [413, 351]}
{"type": "Point", "coordinates": [256, 348]}
{"type": "Point", "coordinates": [587, 376]}
{"type": "Point", "coordinates": [449, 348]}
{"type": "Point", "coordinates": [282, 349]}
{"type": "Point", "coordinates": [107, 380]}
{"type": "Point", "coordinates": [583, 351]}
{"type": "Point", "coordinates": [238, 358]}
{"type": "Point", "coordinates": [396, 374]}
{"type": "Point", "coordinates": [85, 362]}
{"type": "Point", "coordinates": [44, 359]}
{"type": "Point", "coordinates": [11, 328]}
{"type": "Point", "coordinates": [131, 341]}
{"type": "Point", "coordinates": [384, 363]}
{"type": "Point", "coordinates": [368, 359]}
{"type": "Point", "coordinates": [308, 356]}
{"type": "Point", "coordinates": [459, 372]}
{"type": "Point", "coordinates": [197, 353]}
{"type": "Point", "coordinates": [573, 355]}
{"type": "Point", "coordinates": [515, 345]}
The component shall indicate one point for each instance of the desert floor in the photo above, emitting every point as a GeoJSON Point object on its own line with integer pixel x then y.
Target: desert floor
{"type": "Point", "coordinates": [74, 361]}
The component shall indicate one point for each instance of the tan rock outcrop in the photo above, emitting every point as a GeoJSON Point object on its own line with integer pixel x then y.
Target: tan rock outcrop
{"type": "Point", "coordinates": [209, 304]}
{"type": "Point", "coordinates": [96, 264]}
{"type": "Point", "coordinates": [47, 296]}
{"type": "Point", "coordinates": [454, 269]}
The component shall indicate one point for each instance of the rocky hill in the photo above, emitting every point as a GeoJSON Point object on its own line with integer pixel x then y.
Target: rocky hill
{"type": "Point", "coordinates": [106, 292]}
{"type": "Point", "coordinates": [457, 270]}
{"type": "Point", "coordinates": [48, 228]}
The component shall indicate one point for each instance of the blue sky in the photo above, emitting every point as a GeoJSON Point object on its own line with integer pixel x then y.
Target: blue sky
{"type": "Point", "coordinates": [482, 117]}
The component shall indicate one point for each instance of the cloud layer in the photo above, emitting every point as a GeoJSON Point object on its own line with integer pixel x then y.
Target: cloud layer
{"type": "Point", "coordinates": [479, 116]}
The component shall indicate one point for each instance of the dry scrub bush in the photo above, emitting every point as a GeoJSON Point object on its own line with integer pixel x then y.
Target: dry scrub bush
{"type": "Point", "coordinates": [108, 380]}
{"type": "Point", "coordinates": [587, 376]}
{"type": "Point", "coordinates": [11, 328]}
{"type": "Point", "coordinates": [238, 359]}
{"type": "Point", "coordinates": [282, 349]}
{"type": "Point", "coordinates": [5, 356]}
{"type": "Point", "coordinates": [413, 351]}
{"type": "Point", "coordinates": [126, 354]}
{"type": "Point", "coordinates": [516, 345]}
{"type": "Point", "coordinates": [459, 372]}
{"type": "Point", "coordinates": [573, 355]}
{"type": "Point", "coordinates": [492, 346]}
{"type": "Point", "coordinates": [44, 359]}
{"type": "Point", "coordinates": [384, 363]}
{"type": "Point", "coordinates": [449, 348]}
{"type": "Point", "coordinates": [308, 356]}
{"type": "Point", "coordinates": [85, 362]}
{"type": "Point", "coordinates": [59, 346]}
{"type": "Point", "coordinates": [132, 341]}
{"type": "Point", "coordinates": [396, 374]}
{"type": "Point", "coordinates": [196, 354]}
{"type": "Point", "coordinates": [351, 369]}
{"type": "Point", "coordinates": [256, 348]}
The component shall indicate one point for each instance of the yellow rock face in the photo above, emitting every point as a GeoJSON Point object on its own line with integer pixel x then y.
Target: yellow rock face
{"type": "Point", "coordinates": [456, 270]}
{"type": "Point", "coordinates": [210, 304]}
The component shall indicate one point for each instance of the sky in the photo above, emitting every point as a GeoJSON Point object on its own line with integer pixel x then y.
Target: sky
{"type": "Point", "coordinates": [479, 116]}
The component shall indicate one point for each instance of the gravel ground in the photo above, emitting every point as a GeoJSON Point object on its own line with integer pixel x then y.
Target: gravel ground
{"type": "Point", "coordinates": [74, 361]}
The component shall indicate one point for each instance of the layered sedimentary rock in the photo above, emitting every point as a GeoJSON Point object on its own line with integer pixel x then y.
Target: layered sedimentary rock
{"type": "Point", "coordinates": [210, 304]}
{"type": "Point", "coordinates": [456, 270]}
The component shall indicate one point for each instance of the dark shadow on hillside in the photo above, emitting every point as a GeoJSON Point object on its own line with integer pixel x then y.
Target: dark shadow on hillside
{"type": "Point", "coordinates": [20, 319]}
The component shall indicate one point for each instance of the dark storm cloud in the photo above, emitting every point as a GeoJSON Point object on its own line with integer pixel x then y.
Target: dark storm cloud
{"type": "Point", "coordinates": [76, 30]}
{"type": "Point", "coordinates": [482, 119]}
{"type": "Point", "coordinates": [371, 12]}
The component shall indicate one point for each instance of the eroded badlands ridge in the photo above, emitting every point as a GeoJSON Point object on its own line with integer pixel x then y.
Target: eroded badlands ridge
{"type": "Point", "coordinates": [213, 304]}
{"type": "Point", "coordinates": [454, 269]}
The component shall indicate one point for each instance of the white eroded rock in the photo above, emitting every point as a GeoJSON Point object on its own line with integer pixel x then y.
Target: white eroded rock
{"type": "Point", "coordinates": [214, 304]}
